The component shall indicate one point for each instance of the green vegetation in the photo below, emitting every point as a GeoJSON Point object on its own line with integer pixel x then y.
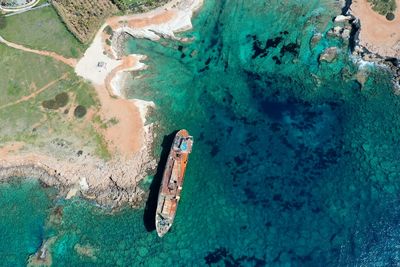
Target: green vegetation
{"type": "Point", "coordinates": [84, 17]}
{"type": "Point", "coordinates": [23, 73]}
{"type": "Point", "coordinates": [108, 30]}
{"type": "Point", "coordinates": [3, 21]}
{"type": "Point", "coordinates": [42, 29]}
{"type": "Point", "coordinates": [390, 16]}
{"type": "Point", "coordinates": [138, 5]}
{"type": "Point", "coordinates": [101, 148]}
{"type": "Point", "coordinates": [61, 100]}
{"type": "Point", "coordinates": [383, 7]}
{"type": "Point", "coordinates": [80, 111]}
{"type": "Point", "coordinates": [26, 82]}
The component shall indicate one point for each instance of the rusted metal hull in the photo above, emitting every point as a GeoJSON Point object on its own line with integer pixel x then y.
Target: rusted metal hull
{"type": "Point", "coordinates": [172, 181]}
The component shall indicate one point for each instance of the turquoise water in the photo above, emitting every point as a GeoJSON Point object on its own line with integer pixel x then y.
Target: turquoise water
{"type": "Point", "coordinates": [293, 164]}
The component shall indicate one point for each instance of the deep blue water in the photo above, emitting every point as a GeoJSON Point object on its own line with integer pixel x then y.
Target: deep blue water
{"type": "Point", "coordinates": [293, 165]}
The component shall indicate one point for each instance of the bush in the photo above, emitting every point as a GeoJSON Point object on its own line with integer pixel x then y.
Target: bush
{"type": "Point", "coordinates": [383, 7]}
{"type": "Point", "coordinates": [3, 21]}
{"type": "Point", "coordinates": [390, 16]}
{"type": "Point", "coordinates": [50, 104]}
{"type": "Point", "coordinates": [80, 111]}
{"type": "Point", "coordinates": [108, 30]}
{"type": "Point", "coordinates": [61, 100]}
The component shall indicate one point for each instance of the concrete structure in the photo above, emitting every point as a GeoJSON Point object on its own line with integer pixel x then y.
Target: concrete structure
{"type": "Point", "coordinates": [15, 5]}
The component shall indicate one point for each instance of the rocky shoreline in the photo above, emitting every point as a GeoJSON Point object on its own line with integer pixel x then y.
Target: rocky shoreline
{"type": "Point", "coordinates": [110, 183]}
{"type": "Point", "coordinates": [61, 164]}
{"type": "Point", "coordinates": [363, 53]}
{"type": "Point", "coordinates": [348, 27]}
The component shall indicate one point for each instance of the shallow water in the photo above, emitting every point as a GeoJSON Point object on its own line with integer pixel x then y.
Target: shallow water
{"type": "Point", "coordinates": [293, 164]}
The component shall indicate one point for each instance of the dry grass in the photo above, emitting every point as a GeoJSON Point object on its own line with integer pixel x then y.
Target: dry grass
{"type": "Point", "coordinates": [83, 17]}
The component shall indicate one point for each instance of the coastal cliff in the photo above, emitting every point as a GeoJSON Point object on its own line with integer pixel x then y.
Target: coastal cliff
{"type": "Point", "coordinates": [357, 25]}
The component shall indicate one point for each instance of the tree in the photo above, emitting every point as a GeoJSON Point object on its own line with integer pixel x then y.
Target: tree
{"type": "Point", "coordinates": [3, 21]}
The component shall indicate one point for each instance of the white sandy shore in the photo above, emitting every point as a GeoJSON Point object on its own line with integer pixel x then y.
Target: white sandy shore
{"type": "Point", "coordinates": [165, 21]}
{"type": "Point", "coordinates": [107, 71]}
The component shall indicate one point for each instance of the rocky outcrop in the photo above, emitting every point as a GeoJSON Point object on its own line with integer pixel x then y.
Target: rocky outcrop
{"type": "Point", "coordinates": [348, 27]}
{"type": "Point", "coordinates": [110, 183]}
{"type": "Point", "coordinates": [315, 40]}
{"type": "Point", "coordinates": [329, 54]}
{"type": "Point", "coordinates": [392, 64]}
{"type": "Point", "coordinates": [342, 18]}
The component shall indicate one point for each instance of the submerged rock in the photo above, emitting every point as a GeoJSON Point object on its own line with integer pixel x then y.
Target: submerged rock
{"type": "Point", "coordinates": [329, 54]}
{"type": "Point", "coordinates": [315, 40]}
{"type": "Point", "coordinates": [361, 77]}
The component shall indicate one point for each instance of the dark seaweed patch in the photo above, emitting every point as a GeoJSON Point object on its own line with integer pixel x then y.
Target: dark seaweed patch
{"type": "Point", "coordinates": [222, 254]}
{"type": "Point", "coordinates": [273, 42]}
{"type": "Point", "coordinates": [258, 50]}
{"type": "Point", "coordinates": [291, 48]}
{"type": "Point", "coordinates": [277, 60]}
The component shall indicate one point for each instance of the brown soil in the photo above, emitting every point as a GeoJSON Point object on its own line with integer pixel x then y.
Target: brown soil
{"type": "Point", "coordinates": [126, 137]}
{"type": "Point", "coordinates": [378, 34]}
{"type": "Point", "coordinates": [10, 148]}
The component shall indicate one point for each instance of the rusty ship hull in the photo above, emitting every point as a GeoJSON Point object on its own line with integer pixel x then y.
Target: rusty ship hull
{"type": "Point", "coordinates": [172, 181]}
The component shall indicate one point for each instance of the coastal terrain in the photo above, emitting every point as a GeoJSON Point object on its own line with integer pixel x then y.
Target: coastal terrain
{"type": "Point", "coordinates": [99, 147]}
{"type": "Point", "coordinates": [378, 34]}
{"type": "Point", "coordinates": [295, 122]}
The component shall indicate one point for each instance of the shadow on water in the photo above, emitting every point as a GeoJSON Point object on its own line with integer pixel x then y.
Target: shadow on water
{"type": "Point", "coordinates": [151, 204]}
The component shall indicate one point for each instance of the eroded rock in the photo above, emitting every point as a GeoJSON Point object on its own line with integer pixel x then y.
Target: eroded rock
{"type": "Point", "coordinates": [329, 54]}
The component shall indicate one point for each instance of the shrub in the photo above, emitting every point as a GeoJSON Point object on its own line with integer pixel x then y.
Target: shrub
{"type": "Point", "coordinates": [62, 99]}
{"type": "Point", "coordinates": [50, 104]}
{"type": "Point", "coordinates": [390, 16]}
{"type": "Point", "coordinates": [108, 30]}
{"type": "Point", "coordinates": [383, 7]}
{"type": "Point", "coordinates": [80, 111]}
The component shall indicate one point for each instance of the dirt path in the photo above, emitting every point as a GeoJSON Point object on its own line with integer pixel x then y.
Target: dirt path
{"type": "Point", "coordinates": [69, 61]}
{"type": "Point", "coordinates": [27, 9]}
{"type": "Point", "coordinates": [34, 94]}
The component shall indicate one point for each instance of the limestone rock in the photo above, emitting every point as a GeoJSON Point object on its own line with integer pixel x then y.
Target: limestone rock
{"type": "Point", "coordinates": [361, 77]}
{"type": "Point", "coordinates": [329, 54]}
{"type": "Point", "coordinates": [346, 33]}
{"type": "Point", "coordinates": [335, 31]}
{"type": "Point", "coordinates": [315, 40]}
{"type": "Point", "coordinates": [342, 18]}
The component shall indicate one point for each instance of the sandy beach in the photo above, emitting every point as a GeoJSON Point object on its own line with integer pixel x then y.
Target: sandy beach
{"type": "Point", "coordinates": [378, 34]}
{"type": "Point", "coordinates": [115, 181]}
{"type": "Point", "coordinates": [105, 70]}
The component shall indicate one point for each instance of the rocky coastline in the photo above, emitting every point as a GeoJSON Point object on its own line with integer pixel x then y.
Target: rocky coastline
{"type": "Point", "coordinates": [112, 183]}
{"type": "Point", "coordinates": [348, 27]}
{"type": "Point", "coordinates": [77, 171]}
